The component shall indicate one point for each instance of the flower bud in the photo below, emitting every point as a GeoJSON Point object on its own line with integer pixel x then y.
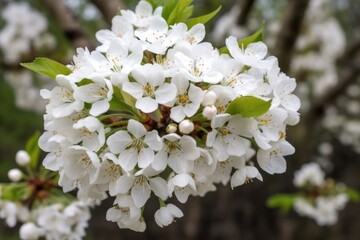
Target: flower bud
{"type": "Point", "coordinates": [22, 158]}
{"type": "Point", "coordinates": [209, 112]}
{"type": "Point", "coordinates": [171, 128]}
{"type": "Point", "coordinates": [29, 231]}
{"type": "Point", "coordinates": [15, 175]}
{"type": "Point", "coordinates": [209, 98]}
{"type": "Point", "coordinates": [186, 126]}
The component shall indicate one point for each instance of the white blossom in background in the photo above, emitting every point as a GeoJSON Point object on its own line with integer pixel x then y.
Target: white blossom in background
{"type": "Point", "coordinates": [20, 32]}
{"type": "Point", "coordinates": [18, 38]}
{"type": "Point", "coordinates": [321, 198]}
{"type": "Point", "coordinates": [146, 112]}
{"type": "Point", "coordinates": [309, 174]}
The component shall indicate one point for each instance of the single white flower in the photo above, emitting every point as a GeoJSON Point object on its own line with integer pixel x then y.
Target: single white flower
{"type": "Point", "coordinates": [270, 127]}
{"type": "Point", "coordinates": [149, 88]}
{"type": "Point", "coordinates": [126, 214]}
{"type": "Point", "coordinates": [140, 187]}
{"type": "Point", "coordinates": [272, 160]}
{"type": "Point", "coordinates": [142, 15]}
{"type": "Point", "coordinates": [182, 185]}
{"type": "Point", "coordinates": [244, 173]}
{"type": "Point", "coordinates": [80, 162]}
{"type": "Point", "coordinates": [90, 132]}
{"type": "Point", "coordinates": [253, 55]}
{"type": "Point", "coordinates": [224, 138]}
{"type": "Point", "coordinates": [197, 63]}
{"type": "Point", "coordinates": [99, 93]}
{"type": "Point", "coordinates": [166, 215]}
{"type": "Point", "coordinates": [188, 99]}
{"type": "Point", "coordinates": [135, 146]}
{"type": "Point", "coordinates": [177, 152]}
{"type": "Point", "coordinates": [62, 101]}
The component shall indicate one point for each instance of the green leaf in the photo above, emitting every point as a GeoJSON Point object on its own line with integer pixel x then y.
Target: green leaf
{"type": "Point", "coordinates": [177, 13]}
{"type": "Point", "coordinates": [122, 101]}
{"type": "Point", "coordinates": [168, 7]}
{"type": "Point", "coordinates": [243, 43]}
{"type": "Point", "coordinates": [282, 201]}
{"type": "Point", "coordinates": [353, 194]}
{"type": "Point", "coordinates": [248, 106]}
{"type": "Point", "coordinates": [47, 67]}
{"type": "Point", "coordinates": [84, 82]}
{"type": "Point", "coordinates": [32, 148]}
{"type": "Point", "coordinates": [202, 19]}
{"type": "Point", "coordinates": [15, 191]}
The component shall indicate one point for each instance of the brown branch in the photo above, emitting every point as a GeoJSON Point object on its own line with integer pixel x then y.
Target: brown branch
{"type": "Point", "coordinates": [109, 8]}
{"type": "Point", "coordinates": [290, 29]}
{"type": "Point", "coordinates": [245, 9]}
{"type": "Point", "coordinates": [68, 23]}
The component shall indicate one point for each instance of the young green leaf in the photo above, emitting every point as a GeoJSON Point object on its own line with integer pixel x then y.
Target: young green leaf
{"type": "Point", "coordinates": [248, 106]}
{"type": "Point", "coordinates": [32, 148]}
{"type": "Point", "coordinates": [202, 19]}
{"type": "Point", "coordinates": [282, 201]}
{"type": "Point", "coordinates": [15, 192]}
{"type": "Point", "coordinates": [177, 14]}
{"type": "Point", "coordinates": [243, 43]}
{"type": "Point", "coordinates": [353, 194]}
{"type": "Point", "coordinates": [47, 67]}
{"type": "Point", "coordinates": [168, 6]}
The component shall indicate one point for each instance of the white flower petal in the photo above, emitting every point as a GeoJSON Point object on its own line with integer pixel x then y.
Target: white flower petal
{"type": "Point", "coordinates": [118, 141]}
{"type": "Point", "coordinates": [140, 193]}
{"type": "Point", "coordinates": [136, 129]}
{"type": "Point", "coordinates": [146, 104]}
{"type": "Point", "coordinates": [134, 89]}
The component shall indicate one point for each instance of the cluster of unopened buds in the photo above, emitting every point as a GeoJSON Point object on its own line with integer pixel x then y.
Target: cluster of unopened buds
{"type": "Point", "coordinates": [43, 211]}
{"type": "Point", "coordinates": [154, 109]}
{"type": "Point", "coordinates": [320, 198]}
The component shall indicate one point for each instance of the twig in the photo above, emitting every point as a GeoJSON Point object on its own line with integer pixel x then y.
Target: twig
{"type": "Point", "coordinates": [290, 29]}
{"type": "Point", "coordinates": [245, 9]}
{"type": "Point", "coordinates": [109, 8]}
{"type": "Point", "coordinates": [68, 23]}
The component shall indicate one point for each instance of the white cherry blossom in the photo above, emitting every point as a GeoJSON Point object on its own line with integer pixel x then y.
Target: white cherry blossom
{"type": "Point", "coordinates": [272, 160]}
{"type": "Point", "coordinates": [188, 99]}
{"type": "Point", "coordinates": [135, 146]}
{"type": "Point", "coordinates": [149, 88]}
{"type": "Point", "coordinates": [98, 93]}
{"type": "Point", "coordinates": [166, 215]}
{"type": "Point", "coordinates": [126, 214]}
{"type": "Point", "coordinates": [177, 152]}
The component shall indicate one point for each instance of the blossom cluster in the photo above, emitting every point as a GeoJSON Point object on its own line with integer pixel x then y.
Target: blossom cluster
{"type": "Point", "coordinates": [25, 29]}
{"type": "Point", "coordinates": [148, 112]}
{"type": "Point", "coordinates": [42, 210]}
{"type": "Point", "coordinates": [322, 198]}
{"type": "Point", "coordinates": [55, 221]}
{"type": "Point", "coordinates": [25, 32]}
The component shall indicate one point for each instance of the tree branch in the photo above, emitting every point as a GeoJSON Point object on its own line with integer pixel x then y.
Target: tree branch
{"type": "Point", "coordinates": [290, 29]}
{"type": "Point", "coordinates": [245, 9]}
{"type": "Point", "coordinates": [68, 23]}
{"type": "Point", "coordinates": [109, 8]}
